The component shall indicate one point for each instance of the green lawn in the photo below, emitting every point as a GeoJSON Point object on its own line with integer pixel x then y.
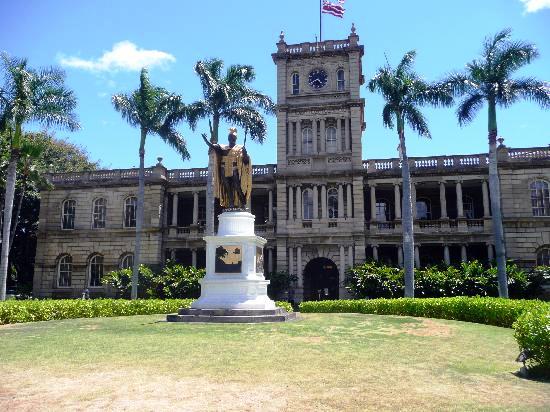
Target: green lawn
{"type": "Point", "coordinates": [321, 362]}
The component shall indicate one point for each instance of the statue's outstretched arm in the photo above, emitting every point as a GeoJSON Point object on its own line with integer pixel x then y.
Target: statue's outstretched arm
{"type": "Point", "coordinates": [215, 147]}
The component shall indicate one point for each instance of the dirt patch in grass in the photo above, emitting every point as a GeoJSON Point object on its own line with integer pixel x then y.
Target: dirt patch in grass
{"type": "Point", "coordinates": [134, 390]}
{"type": "Point", "coordinates": [425, 328]}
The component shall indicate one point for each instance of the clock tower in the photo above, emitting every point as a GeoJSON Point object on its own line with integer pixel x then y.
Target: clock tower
{"type": "Point", "coordinates": [320, 217]}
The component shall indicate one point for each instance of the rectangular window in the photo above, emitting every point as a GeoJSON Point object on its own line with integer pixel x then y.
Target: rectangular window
{"type": "Point", "coordinates": [99, 214]}
{"type": "Point", "coordinates": [69, 210]}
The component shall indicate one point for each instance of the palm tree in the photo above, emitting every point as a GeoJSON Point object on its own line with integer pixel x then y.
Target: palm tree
{"type": "Point", "coordinates": [488, 80]}
{"type": "Point", "coordinates": [404, 91]}
{"type": "Point", "coordinates": [28, 95]}
{"type": "Point", "coordinates": [227, 97]}
{"type": "Point", "coordinates": [151, 109]}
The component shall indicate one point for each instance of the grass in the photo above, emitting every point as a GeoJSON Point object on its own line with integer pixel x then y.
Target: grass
{"type": "Point", "coordinates": [321, 362]}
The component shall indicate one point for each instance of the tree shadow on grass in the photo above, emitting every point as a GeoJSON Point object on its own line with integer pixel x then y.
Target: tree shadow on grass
{"type": "Point", "coordinates": [534, 373]}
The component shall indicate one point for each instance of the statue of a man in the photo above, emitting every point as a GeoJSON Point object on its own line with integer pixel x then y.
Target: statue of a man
{"type": "Point", "coordinates": [232, 174]}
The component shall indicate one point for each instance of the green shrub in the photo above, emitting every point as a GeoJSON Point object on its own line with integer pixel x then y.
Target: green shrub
{"type": "Point", "coordinates": [121, 281]}
{"type": "Point", "coordinates": [489, 311]}
{"type": "Point", "coordinates": [285, 305]}
{"type": "Point", "coordinates": [279, 283]}
{"type": "Point", "coordinates": [176, 281]}
{"type": "Point", "coordinates": [532, 332]}
{"type": "Point", "coordinates": [20, 311]}
{"type": "Point", "coordinates": [373, 280]}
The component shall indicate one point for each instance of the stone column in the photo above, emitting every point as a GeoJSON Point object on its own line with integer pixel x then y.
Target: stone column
{"type": "Point", "coordinates": [315, 202]}
{"type": "Point", "coordinates": [350, 256]}
{"type": "Point", "coordinates": [443, 200]}
{"type": "Point", "coordinates": [323, 135]}
{"type": "Point", "coordinates": [175, 209]}
{"type": "Point", "coordinates": [299, 137]}
{"type": "Point", "coordinates": [416, 256]}
{"type": "Point", "coordinates": [397, 200]}
{"type": "Point", "coordinates": [299, 202]}
{"type": "Point", "coordinates": [324, 201]}
{"type": "Point", "coordinates": [165, 211]}
{"type": "Point", "coordinates": [400, 256]}
{"type": "Point", "coordinates": [315, 132]}
{"type": "Point", "coordinates": [342, 261]}
{"type": "Point", "coordinates": [194, 257]}
{"type": "Point", "coordinates": [339, 147]}
{"type": "Point", "coordinates": [373, 203]}
{"type": "Point", "coordinates": [375, 252]}
{"type": "Point", "coordinates": [291, 261]}
{"type": "Point", "coordinates": [346, 134]}
{"type": "Point", "coordinates": [195, 207]}
{"type": "Point", "coordinates": [269, 260]}
{"type": "Point", "coordinates": [349, 201]}
{"type": "Point", "coordinates": [463, 253]}
{"type": "Point", "coordinates": [299, 267]}
{"type": "Point", "coordinates": [459, 204]}
{"type": "Point", "coordinates": [446, 255]}
{"type": "Point", "coordinates": [485, 191]}
{"type": "Point", "coordinates": [270, 206]}
{"type": "Point", "coordinates": [314, 149]}
{"type": "Point", "coordinates": [490, 254]}
{"type": "Point", "coordinates": [413, 199]}
{"type": "Point", "coordinates": [290, 203]}
{"type": "Point", "coordinates": [172, 255]}
{"type": "Point", "coordinates": [294, 139]}
{"type": "Point", "coordinates": [340, 200]}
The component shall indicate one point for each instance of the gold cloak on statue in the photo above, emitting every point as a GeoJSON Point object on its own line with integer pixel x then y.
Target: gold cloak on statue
{"type": "Point", "coordinates": [225, 165]}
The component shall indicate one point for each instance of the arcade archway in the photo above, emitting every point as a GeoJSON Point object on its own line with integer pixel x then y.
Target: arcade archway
{"type": "Point", "coordinates": [321, 279]}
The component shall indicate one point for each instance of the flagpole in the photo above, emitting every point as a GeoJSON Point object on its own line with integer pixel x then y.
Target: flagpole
{"type": "Point", "coordinates": [320, 20]}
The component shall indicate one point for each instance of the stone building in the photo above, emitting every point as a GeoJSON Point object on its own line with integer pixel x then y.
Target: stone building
{"type": "Point", "coordinates": [321, 207]}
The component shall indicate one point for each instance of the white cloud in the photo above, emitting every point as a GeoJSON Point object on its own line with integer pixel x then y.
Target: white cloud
{"type": "Point", "coordinates": [125, 56]}
{"type": "Point", "coordinates": [532, 6]}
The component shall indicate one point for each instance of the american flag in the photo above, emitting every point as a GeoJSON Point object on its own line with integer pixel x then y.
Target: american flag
{"type": "Point", "coordinates": [336, 9]}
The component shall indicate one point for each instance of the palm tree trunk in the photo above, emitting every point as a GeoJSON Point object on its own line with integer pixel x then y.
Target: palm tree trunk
{"type": "Point", "coordinates": [408, 229]}
{"type": "Point", "coordinates": [8, 210]}
{"type": "Point", "coordinates": [496, 212]}
{"type": "Point", "coordinates": [18, 210]}
{"type": "Point", "coordinates": [139, 215]}
{"type": "Point", "coordinates": [210, 201]}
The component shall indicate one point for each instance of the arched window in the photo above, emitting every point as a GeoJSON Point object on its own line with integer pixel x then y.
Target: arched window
{"type": "Point", "coordinates": [64, 271]}
{"type": "Point", "coordinates": [295, 83]}
{"type": "Point", "coordinates": [95, 270]}
{"type": "Point", "coordinates": [331, 139]}
{"type": "Point", "coordinates": [468, 205]}
{"type": "Point", "coordinates": [341, 82]}
{"type": "Point", "coordinates": [68, 214]}
{"type": "Point", "coordinates": [130, 210]}
{"type": "Point", "coordinates": [423, 209]}
{"type": "Point", "coordinates": [307, 140]}
{"type": "Point", "coordinates": [99, 213]}
{"type": "Point", "coordinates": [383, 211]}
{"type": "Point", "coordinates": [540, 198]}
{"type": "Point", "coordinates": [127, 261]}
{"type": "Point", "coordinates": [543, 256]}
{"type": "Point", "coordinates": [307, 204]}
{"type": "Point", "coordinates": [332, 200]}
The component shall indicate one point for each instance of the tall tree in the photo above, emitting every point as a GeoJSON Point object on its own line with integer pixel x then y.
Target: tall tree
{"type": "Point", "coordinates": [404, 91]}
{"type": "Point", "coordinates": [28, 95]}
{"type": "Point", "coordinates": [152, 109]}
{"type": "Point", "coordinates": [227, 97]}
{"type": "Point", "coordinates": [488, 80]}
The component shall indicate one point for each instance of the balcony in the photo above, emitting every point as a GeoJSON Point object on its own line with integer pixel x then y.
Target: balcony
{"type": "Point", "coordinates": [430, 226]}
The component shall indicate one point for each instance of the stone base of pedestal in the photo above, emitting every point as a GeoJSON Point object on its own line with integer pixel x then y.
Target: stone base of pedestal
{"type": "Point", "coordinates": [231, 315]}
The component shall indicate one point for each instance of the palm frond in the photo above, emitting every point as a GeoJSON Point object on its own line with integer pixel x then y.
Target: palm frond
{"type": "Point", "coordinates": [387, 116]}
{"type": "Point", "coordinates": [416, 120]}
{"type": "Point", "coordinates": [406, 63]}
{"type": "Point", "coordinates": [492, 44]}
{"type": "Point", "coordinates": [209, 73]}
{"type": "Point", "coordinates": [513, 56]}
{"type": "Point", "coordinates": [248, 118]}
{"type": "Point", "coordinates": [469, 107]}
{"type": "Point", "coordinates": [171, 137]}
{"type": "Point", "coordinates": [533, 90]}
{"type": "Point", "coordinates": [125, 105]}
{"type": "Point", "coordinates": [238, 74]}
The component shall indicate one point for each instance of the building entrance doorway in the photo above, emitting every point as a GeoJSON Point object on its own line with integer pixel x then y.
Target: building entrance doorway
{"type": "Point", "coordinates": [321, 280]}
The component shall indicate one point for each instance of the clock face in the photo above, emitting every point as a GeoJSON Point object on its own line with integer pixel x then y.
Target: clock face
{"type": "Point", "coordinates": [317, 78]}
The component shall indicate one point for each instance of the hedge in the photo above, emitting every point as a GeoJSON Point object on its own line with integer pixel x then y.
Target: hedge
{"type": "Point", "coordinates": [532, 332]}
{"type": "Point", "coordinates": [20, 311]}
{"type": "Point", "coordinates": [489, 311]}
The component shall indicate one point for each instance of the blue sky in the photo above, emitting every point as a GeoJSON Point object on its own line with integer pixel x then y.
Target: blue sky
{"type": "Point", "coordinates": [172, 35]}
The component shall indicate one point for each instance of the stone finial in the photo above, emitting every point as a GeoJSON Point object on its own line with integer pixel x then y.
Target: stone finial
{"type": "Point", "coordinates": [159, 159]}
{"type": "Point", "coordinates": [500, 141]}
{"type": "Point", "coordinates": [352, 28]}
{"type": "Point", "coordinates": [282, 37]}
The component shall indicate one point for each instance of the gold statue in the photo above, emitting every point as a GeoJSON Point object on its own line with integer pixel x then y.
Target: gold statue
{"type": "Point", "coordinates": [232, 174]}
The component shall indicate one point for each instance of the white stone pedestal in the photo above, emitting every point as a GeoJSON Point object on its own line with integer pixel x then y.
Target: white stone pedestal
{"type": "Point", "coordinates": [234, 267]}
